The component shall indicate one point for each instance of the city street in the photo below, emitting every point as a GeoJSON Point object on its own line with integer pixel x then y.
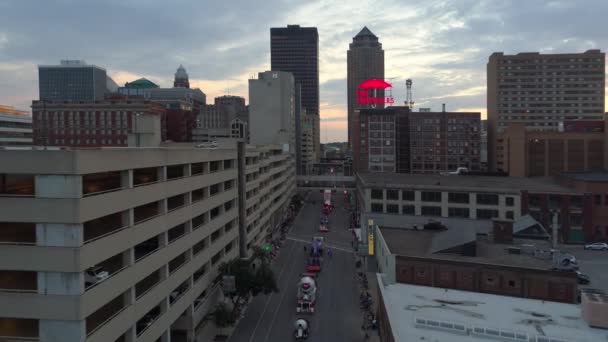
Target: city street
{"type": "Point", "coordinates": [338, 317]}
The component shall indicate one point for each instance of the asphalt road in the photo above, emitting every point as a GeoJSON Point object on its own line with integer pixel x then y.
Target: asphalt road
{"type": "Point", "coordinates": [592, 263]}
{"type": "Point", "coordinates": [337, 318]}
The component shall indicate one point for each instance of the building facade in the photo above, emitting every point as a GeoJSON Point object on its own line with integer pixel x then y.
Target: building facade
{"type": "Point", "coordinates": [393, 139]}
{"type": "Point", "coordinates": [365, 61]}
{"type": "Point", "coordinates": [272, 109]}
{"type": "Point", "coordinates": [158, 221]}
{"type": "Point", "coordinates": [307, 146]}
{"type": "Point", "coordinates": [137, 87]}
{"type": "Point", "coordinates": [577, 146]}
{"type": "Point", "coordinates": [99, 123]}
{"type": "Point", "coordinates": [444, 141]}
{"type": "Point", "coordinates": [540, 91]}
{"type": "Point", "coordinates": [125, 244]}
{"type": "Point", "coordinates": [15, 127]}
{"type": "Point", "coordinates": [228, 117]}
{"type": "Point", "coordinates": [295, 49]}
{"type": "Point", "coordinates": [73, 81]}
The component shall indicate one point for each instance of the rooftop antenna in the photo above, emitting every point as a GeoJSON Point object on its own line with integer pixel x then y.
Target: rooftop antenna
{"type": "Point", "coordinates": [408, 96]}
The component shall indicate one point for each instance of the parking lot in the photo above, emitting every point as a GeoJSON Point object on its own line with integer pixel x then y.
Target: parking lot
{"type": "Point", "coordinates": [592, 263]}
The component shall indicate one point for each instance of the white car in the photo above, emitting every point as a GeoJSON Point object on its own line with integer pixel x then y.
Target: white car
{"type": "Point", "coordinates": [598, 246]}
{"type": "Point", "coordinates": [94, 275]}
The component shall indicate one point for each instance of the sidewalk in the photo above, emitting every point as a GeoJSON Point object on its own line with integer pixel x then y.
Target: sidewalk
{"type": "Point", "coordinates": [372, 283]}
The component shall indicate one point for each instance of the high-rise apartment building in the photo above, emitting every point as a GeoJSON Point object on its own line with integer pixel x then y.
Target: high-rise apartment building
{"type": "Point", "coordinates": [295, 49]}
{"type": "Point", "coordinates": [73, 81]}
{"type": "Point", "coordinates": [124, 244]}
{"type": "Point", "coordinates": [15, 127]}
{"type": "Point", "coordinates": [393, 139]}
{"type": "Point", "coordinates": [365, 61]}
{"type": "Point", "coordinates": [272, 109]}
{"type": "Point", "coordinates": [540, 91]}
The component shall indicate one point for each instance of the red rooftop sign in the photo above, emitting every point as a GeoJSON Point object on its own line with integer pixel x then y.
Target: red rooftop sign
{"type": "Point", "coordinates": [363, 92]}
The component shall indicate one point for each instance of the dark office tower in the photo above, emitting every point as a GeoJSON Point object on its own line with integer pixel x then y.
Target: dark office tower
{"type": "Point", "coordinates": [73, 81]}
{"type": "Point", "coordinates": [365, 60]}
{"type": "Point", "coordinates": [181, 78]}
{"type": "Point", "coordinates": [295, 49]}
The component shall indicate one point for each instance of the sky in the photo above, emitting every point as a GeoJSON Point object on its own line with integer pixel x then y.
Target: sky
{"type": "Point", "coordinates": [443, 46]}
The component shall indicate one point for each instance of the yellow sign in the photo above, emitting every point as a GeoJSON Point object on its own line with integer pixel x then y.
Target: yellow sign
{"type": "Point", "coordinates": [370, 243]}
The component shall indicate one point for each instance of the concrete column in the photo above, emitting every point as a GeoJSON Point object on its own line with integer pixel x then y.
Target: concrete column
{"type": "Point", "coordinates": [444, 204]}
{"type": "Point", "coordinates": [59, 234]}
{"type": "Point", "coordinates": [242, 204]}
{"type": "Point", "coordinates": [473, 205]}
{"type": "Point", "coordinates": [128, 257]}
{"type": "Point", "coordinates": [126, 178]}
{"type": "Point", "coordinates": [166, 336]}
{"type": "Point", "coordinates": [418, 202]}
{"type": "Point", "coordinates": [162, 173]}
{"type": "Point", "coordinates": [130, 335]}
{"type": "Point", "coordinates": [58, 186]}
{"type": "Point", "coordinates": [60, 283]}
{"type": "Point", "coordinates": [187, 170]}
{"type": "Point", "coordinates": [62, 331]}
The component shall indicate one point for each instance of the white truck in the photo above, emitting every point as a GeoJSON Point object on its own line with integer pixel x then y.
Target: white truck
{"type": "Point", "coordinates": [307, 294]}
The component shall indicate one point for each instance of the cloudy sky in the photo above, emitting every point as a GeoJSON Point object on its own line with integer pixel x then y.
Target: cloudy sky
{"type": "Point", "coordinates": [442, 45]}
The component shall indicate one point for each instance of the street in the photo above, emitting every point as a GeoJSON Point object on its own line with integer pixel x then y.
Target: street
{"type": "Point", "coordinates": [337, 317]}
{"type": "Point", "coordinates": [592, 263]}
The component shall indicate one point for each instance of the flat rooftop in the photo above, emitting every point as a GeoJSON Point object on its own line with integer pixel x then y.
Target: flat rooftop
{"type": "Point", "coordinates": [430, 243]}
{"type": "Point", "coordinates": [591, 176]}
{"type": "Point", "coordinates": [422, 313]}
{"type": "Point", "coordinates": [463, 183]}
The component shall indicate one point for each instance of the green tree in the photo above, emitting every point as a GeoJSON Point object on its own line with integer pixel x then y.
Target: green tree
{"type": "Point", "coordinates": [250, 280]}
{"type": "Point", "coordinates": [222, 316]}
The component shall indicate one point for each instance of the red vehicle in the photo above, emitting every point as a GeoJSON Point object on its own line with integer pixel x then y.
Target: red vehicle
{"type": "Point", "coordinates": [323, 228]}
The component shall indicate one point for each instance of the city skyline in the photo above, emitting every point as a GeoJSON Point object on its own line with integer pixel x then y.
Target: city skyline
{"type": "Point", "coordinates": [446, 62]}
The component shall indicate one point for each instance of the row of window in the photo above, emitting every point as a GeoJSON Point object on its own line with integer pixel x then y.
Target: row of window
{"type": "Point", "coordinates": [483, 214]}
{"type": "Point", "coordinates": [436, 196]}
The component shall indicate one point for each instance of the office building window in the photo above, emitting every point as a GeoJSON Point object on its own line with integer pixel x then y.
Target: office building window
{"type": "Point", "coordinates": [408, 210]}
{"type": "Point", "coordinates": [407, 195]}
{"type": "Point", "coordinates": [431, 196]}
{"type": "Point", "coordinates": [510, 201]}
{"type": "Point", "coordinates": [377, 208]}
{"type": "Point", "coordinates": [392, 208]}
{"type": "Point", "coordinates": [431, 211]}
{"type": "Point", "coordinates": [458, 212]}
{"type": "Point", "coordinates": [392, 194]}
{"type": "Point", "coordinates": [487, 199]}
{"type": "Point", "coordinates": [458, 197]}
{"type": "Point", "coordinates": [487, 214]}
{"type": "Point", "coordinates": [377, 194]}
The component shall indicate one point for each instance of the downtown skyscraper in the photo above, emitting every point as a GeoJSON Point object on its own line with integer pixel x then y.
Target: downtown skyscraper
{"type": "Point", "coordinates": [365, 61]}
{"type": "Point", "coordinates": [295, 49]}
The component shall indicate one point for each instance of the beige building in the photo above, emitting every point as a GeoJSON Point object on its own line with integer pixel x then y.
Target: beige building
{"type": "Point", "coordinates": [540, 91]}
{"type": "Point", "coordinates": [123, 244]}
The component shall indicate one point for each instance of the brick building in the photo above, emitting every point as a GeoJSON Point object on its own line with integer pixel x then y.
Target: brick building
{"type": "Point", "coordinates": [577, 146]}
{"type": "Point", "coordinates": [458, 258]}
{"type": "Point", "coordinates": [540, 91]}
{"type": "Point", "coordinates": [394, 139]}
{"type": "Point", "coordinates": [98, 123]}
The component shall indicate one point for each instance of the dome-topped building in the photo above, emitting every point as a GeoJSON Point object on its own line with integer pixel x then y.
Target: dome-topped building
{"type": "Point", "coordinates": [181, 78]}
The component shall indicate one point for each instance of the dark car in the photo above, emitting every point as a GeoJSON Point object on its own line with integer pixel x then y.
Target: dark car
{"type": "Point", "coordinates": [582, 278]}
{"type": "Point", "coordinates": [434, 225]}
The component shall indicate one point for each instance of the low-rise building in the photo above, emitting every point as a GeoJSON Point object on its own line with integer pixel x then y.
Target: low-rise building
{"type": "Point", "coordinates": [124, 244]}
{"type": "Point", "coordinates": [91, 124]}
{"type": "Point", "coordinates": [420, 313]}
{"type": "Point", "coordinates": [404, 200]}
{"type": "Point", "coordinates": [15, 127]}
{"type": "Point", "coordinates": [576, 147]}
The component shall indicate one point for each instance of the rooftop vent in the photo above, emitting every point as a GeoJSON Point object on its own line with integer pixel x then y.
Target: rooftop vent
{"type": "Point", "coordinates": [594, 308]}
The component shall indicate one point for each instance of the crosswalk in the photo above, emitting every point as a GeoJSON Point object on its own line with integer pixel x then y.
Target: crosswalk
{"type": "Point", "coordinates": [326, 244]}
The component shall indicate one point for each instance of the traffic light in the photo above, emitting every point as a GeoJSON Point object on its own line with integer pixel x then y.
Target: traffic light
{"type": "Point", "coordinates": [267, 248]}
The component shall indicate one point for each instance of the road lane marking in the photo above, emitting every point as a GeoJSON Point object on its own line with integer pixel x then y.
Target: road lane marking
{"type": "Point", "coordinates": [334, 247]}
{"type": "Point", "coordinates": [278, 308]}
{"type": "Point", "coordinates": [270, 296]}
